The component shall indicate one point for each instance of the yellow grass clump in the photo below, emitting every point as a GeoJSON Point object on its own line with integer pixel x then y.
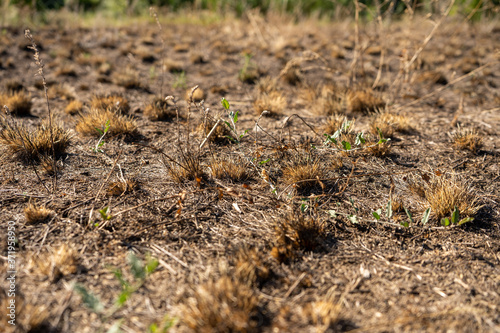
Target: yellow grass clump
{"type": "Point", "coordinates": [19, 103]}
{"type": "Point", "coordinates": [223, 305]}
{"type": "Point", "coordinates": [273, 102]}
{"type": "Point", "coordinates": [36, 214]}
{"type": "Point", "coordinates": [115, 102]}
{"type": "Point", "coordinates": [32, 145]}
{"type": "Point", "coordinates": [467, 139]}
{"type": "Point", "coordinates": [364, 101]}
{"type": "Point", "coordinates": [97, 118]}
{"type": "Point", "coordinates": [445, 193]}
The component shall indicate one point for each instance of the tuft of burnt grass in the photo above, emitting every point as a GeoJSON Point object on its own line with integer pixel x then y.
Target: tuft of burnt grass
{"type": "Point", "coordinates": [74, 107]}
{"type": "Point", "coordinates": [160, 110]}
{"type": "Point", "coordinates": [186, 167]}
{"type": "Point", "coordinates": [37, 214]}
{"type": "Point", "coordinates": [18, 102]}
{"type": "Point", "coordinates": [220, 134]}
{"type": "Point", "coordinates": [225, 168]}
{"type": "Point", "coordinates": [389, 123]}
{"type": "Point", "coordinates": [444, 193]}
{"type": "Point", "coordinates": [297, 232]}
{"type": "Point", "coordinates": [33, 145]}
{"type": "Point", "coordinates": [97, 118]}
{"type": "Point", "coordinates": [55, 263]}
{"type": "Point", "coordinates": [116, 103]}
{"type": "Point", "coordinates": [223, 305]}
{"type": "Point", "coordinates": [274, 103]}
{"type": "Point", "coordinates": [304, 173]}
{"type": "Point", "coordinates": [316, 316]}
{"type": "Point", "coordinates": [467, 139]}
{"type": "Point", "coordinates": [364, 101]}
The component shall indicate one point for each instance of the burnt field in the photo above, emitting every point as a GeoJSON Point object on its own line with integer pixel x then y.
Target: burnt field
{"type": "Point", "coordinates": [252, 175]}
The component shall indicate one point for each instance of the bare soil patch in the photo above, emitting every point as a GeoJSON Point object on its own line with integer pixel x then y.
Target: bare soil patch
{"type": "Point", "coordinates": [272, 231]}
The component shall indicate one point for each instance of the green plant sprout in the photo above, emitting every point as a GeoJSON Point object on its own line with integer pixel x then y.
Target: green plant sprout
{"type": "Point", "coordinates": [180, 80]}
{"type": "Point", "coordinates": [100, 143]}
{"type": "Point", "coordinates": [455, 219]}
{"type": "Point", "coordinates": [359, 141]}
{"type": "Point", "coordinates": [233, 117]}
{"type": "Point", "coordinates": [139, 272]}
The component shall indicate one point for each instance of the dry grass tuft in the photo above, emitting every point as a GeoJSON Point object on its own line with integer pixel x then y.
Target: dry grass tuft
{"type": "Point", "coordinates": [324, 100]}
{"type": "Point", "coordinates": [389, 123]}
{"type": "Point", "coordinates": [66, 70]}
{"type": "Point", "coordinates": [445, 193]}
{"type": "Point", "coordinates": [297, 233]}
{"type": "Point", "coordinates": [35, 214]}
{"type": "Point", "coordinates": [19, 103]}
{"type": "Point", "coordinates": [173, 66]}
{"type": "Point", "coordinates": [333, 123]}
{"type": "Point", "coordinates": [13, 86]}
{"type": "Point", "coordinates": [55, 263]}
{"type": "Point", "coordinates": [267, 85]}
{"type": "Point", "coordinates": [291, 74]}
{"type": "Point", "coordinates": [29, 318]}
{"type": "Point", "coordinates": [118, 188]}
{"type": "Point", "coordinates": [97, 118]}
{"type": "Point", "coordinates": [364, 101]}
{"type": "Point", "coordinates": [74, 107]}
{"type": "Point", "coordinates": [433, 77]}
{"type": "Point", "coordinates": [160, 110]}
{"type": "Point", "coordinates": [322, 315]}
{"type": "Point", "coordinates": [273, 102]}
{"type": "Point", "coordinates": [187, 167]}
{"type": "Point", "coordinates": [224, 168]}
{"type": "Point", "coordinates": [224, 305]}
{"type": "Point", "coordinates": [304, 174]}
{"type": "Point", "coordinates": [128, 79]}
{"type": "Point", "coordinates": [250, 266]}
{"type": "Point", "coordinates": [61, 91]}
{"type": "Point", "coordinates": [116, 103]}
{"type": "Point", "coordinates": [33, 144]}
{"type": "Point", "coordinates": [467, 139]}
{"type": "Point", "coordinates": [377, 149]}
{"type": "Point", "coordinates": [220, 133]}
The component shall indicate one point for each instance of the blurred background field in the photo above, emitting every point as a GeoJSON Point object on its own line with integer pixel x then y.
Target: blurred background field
{"type": "Point", "coordinates": [18, 12]}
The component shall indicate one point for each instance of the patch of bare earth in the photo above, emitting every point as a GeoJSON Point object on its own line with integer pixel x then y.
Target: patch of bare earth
{"type": "Point", "coordinates": [271, 230]}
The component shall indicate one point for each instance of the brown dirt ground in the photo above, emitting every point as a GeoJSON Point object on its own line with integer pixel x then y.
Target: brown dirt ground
{"type": "Point", "coordinates": [376, 277]}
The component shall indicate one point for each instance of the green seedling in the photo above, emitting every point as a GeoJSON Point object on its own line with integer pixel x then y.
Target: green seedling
{"type": "Point", "coordinates": [139, 272]}
{"type": "Point", "coordinates": [233, 118]}
{"type": "Point", "coordinates": [100, 143]}
{"type": "Point", "coordinates": [455, 219]}
{"type": "Point", "coordinates": [180, 81]}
